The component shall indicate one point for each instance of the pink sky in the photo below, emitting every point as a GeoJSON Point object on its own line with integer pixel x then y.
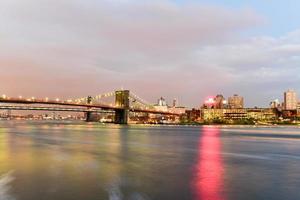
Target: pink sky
{"type": "Point", "coordinates": [77, 48]}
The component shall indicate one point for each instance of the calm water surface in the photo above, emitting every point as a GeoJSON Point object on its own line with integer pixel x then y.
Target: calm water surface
{"type": "Point", "coordinates": [48, 160]}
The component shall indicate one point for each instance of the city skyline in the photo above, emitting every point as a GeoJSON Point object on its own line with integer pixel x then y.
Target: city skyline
{"type": "Point", "coordinates": [176, 49]}
{"type": "Point", "coordinates": [290, 101]}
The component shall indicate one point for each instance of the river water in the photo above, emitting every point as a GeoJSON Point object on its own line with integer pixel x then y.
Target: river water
{"type": "Point", "coordinates": [68, 160]}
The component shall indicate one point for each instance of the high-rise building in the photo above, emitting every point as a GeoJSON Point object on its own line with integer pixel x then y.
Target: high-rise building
{"type": "Point", "coordinates": [175, 103]}
{"type": "Point", "coordinates": [290, 100]}
{"type": "Point", "coordinates": [219, 101]}
{"type": "Point", "coordinates": [275, 104]}
{"type": "Point", "coordinates": [161, 102]}
{"type": "Point", "coordinates": [161, 105]}
{"type": "Point", "coordinates": [236, 101]}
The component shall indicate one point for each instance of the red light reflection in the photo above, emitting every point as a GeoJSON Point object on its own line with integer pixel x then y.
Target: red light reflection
{"type": "Point", "coordinates": [208, 178]}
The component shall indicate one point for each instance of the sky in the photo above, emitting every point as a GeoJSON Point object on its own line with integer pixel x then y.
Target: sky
{"type": "Point", "coordinates": [187, 50]}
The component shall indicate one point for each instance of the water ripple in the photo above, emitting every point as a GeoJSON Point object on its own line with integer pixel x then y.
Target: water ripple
{"type": "Point", "coordinates": [5, 181]}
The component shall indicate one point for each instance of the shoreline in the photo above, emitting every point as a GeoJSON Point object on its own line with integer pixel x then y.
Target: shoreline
{"type": "Point", "coordinates": [81, 122]}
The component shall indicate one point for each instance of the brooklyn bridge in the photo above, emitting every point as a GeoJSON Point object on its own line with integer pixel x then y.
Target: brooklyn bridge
{"type": "Point", "coordinates": [122, 102]}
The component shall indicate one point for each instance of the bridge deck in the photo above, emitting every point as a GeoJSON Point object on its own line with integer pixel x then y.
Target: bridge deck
{"type": "Point", "coordinates": [92, 107]}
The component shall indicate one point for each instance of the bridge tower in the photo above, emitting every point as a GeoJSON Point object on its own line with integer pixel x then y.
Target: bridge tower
{"type": "Point", "coordinates": [89, 117]}
{"type": "Point", "coordinates": [122, 102]}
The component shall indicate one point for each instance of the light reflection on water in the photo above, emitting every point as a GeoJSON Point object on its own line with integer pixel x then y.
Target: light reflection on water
{"type": "Point", "coordinates": [48, 160]}
{"type": "Point", "coordinates": [209, 168]}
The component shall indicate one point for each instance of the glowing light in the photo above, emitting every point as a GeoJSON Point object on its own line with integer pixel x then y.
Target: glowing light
{"type": "Point", "coordinates": [4, 96]}
{"type": "Point", "coordinates": [57, 99]}
{"type": "Point", "coordinates": [20, 97]}
{"type": "Point", "coordinates": [210, 100]}
{"type": "Point", "coordinates": [46, 99]}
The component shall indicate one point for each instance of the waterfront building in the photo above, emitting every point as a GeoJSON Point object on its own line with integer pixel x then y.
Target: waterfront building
{"type": "Point", "coordinates": [289, 114]}
{"type": "Point", "coordinates": [211, 114]}
{"type": "Point", "coordinates": [236, 101]}
{"type": "Point", "coordinates": [235, 113]}
{"type": "Point", "coordinates": [298, 109]}
{"type": "Point", "coordinates": [290, 100]}
{"type": "Point", "coordinates": [161, 105]}
{"type": "Point", "coordinates": [177, 109]}
{"type": "Point", "coordinates": [238, 113]}
{"type": "Point", "coordinates": [261, 114]}
{"type": "Point", "coordinates": [193, 115]}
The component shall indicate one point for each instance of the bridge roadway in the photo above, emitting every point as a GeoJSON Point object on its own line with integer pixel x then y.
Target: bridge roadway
{"type": "Point", "coordinates": [63, 109]}
{"type": "Point", "coordinates": [92, 107]}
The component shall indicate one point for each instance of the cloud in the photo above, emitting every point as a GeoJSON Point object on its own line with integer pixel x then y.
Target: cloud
{"type": "Point", "coordinates": [261, 67]}
{"type": "Point", "coordinates": [139, 29]}
{"type": "Point", "coordinates": [156, 48]}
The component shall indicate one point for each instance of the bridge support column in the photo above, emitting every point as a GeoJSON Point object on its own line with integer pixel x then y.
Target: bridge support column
{"type": "Point", "coordinates": [91, 116]}
{"type": "Point", "coordinates": [122, 102]}
{"type": "Point", "coordinates": [121, 116]}
{"type": "Point", "coordinates": [88, 117]}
